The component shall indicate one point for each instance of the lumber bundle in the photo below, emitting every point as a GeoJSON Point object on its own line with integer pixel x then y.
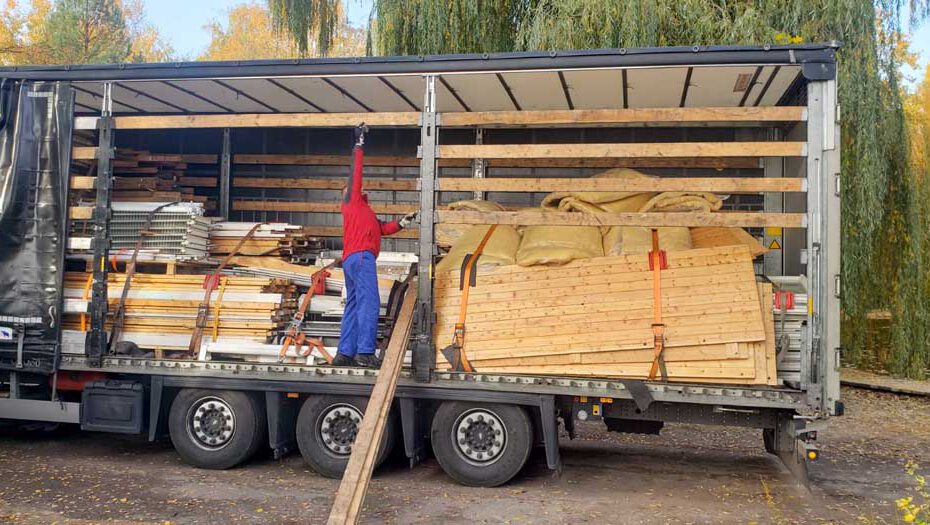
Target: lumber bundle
{"type": "Point", "coordinates": [142, 176]}
{"type": "Point", "coordinates": [273, 239]}
{"type": "Point", "coordinates": [594, 317]}
{"type": "Point", "coordinates": [160, 306]}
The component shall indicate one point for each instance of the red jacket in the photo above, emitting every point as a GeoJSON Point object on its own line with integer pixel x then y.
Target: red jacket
{"type": "Point", "coordinates": [361, 229]}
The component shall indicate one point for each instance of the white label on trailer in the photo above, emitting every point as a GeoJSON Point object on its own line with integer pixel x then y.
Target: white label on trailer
{"type": "Point", "coordinates": [6, 333]}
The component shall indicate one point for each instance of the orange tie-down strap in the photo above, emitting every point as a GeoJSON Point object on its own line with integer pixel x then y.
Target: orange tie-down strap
{"type": "Point", "coordinates": [459, 360]}
{"type": "Point", "coordinates": [657, 263]}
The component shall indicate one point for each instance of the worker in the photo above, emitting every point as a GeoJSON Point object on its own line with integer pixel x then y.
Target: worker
{"type": "Point", "coordinates": [361, 243]}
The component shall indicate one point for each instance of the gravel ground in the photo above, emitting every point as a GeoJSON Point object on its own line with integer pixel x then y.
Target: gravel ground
{"type": "Point", "coordinates": [688, 474]}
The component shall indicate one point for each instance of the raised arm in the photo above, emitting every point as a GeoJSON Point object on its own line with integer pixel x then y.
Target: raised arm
{"type": "Point", "coordinates": [354, 186]}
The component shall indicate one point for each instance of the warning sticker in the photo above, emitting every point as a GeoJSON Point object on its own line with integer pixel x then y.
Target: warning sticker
{"type": "Point", "coordinates": [774, 245]}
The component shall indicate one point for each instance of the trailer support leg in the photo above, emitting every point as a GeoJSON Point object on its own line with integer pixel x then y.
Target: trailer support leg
{"type": "Point", "coordinates": [550, 432]}
{"type": "Point", "coordinates": [414, 443]}
{"type": "Point", "coordinates": [783, 441]}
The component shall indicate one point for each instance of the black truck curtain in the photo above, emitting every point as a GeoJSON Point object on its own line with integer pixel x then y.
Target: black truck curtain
{"type": "Point", "coordinates": [36, 120]}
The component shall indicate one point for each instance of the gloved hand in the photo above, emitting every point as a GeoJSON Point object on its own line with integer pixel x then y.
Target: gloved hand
{"type": "Point", "coordinates": [409, 219]}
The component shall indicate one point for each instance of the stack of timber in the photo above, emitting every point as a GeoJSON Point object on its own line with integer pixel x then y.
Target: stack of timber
{"type": "Point", "coordinates": [176, 232]}
{"type": "Point", "coordinates": [161, 310]}
{"type": "Point", "coordinates": [272, 239]}
{"type": "Point", "coordinates": [142, 176]}
{"type": "Point", "coordinates": [594, 317]}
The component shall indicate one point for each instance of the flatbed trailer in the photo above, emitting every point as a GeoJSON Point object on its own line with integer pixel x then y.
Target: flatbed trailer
{"type": "Point", "coordinates": [518, 124]}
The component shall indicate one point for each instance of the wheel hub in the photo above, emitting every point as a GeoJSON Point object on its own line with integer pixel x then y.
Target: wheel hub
{"type": "Point", "coordinates": [480, 436]}
{"type": "Point", "coordinates": [211, 423]}
{"type": "Point", "coordinates": [338, 426]}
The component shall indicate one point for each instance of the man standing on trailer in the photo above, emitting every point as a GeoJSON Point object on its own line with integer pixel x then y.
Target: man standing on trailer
{"type": "Point", "coordinates": [361, 243]}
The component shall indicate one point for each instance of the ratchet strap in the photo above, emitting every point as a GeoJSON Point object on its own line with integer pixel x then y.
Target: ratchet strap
{"type": "Point", "coordinates": [295, 335]}
{"type": "Point", "coordinates": [216, 308]}
{"type": "Point", "coordinates": [657, 263]}
{"type": "Point", "coordinates": [455, 352]}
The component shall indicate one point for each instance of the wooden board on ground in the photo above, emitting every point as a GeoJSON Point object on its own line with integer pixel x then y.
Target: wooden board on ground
{"type": "Point", "coordinates": [354, 485]}
{"type": "Point", "coordinates": [594, 318]}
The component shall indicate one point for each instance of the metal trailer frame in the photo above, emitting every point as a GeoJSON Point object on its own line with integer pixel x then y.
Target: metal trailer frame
{"type": "Point", "coordinates": [788, 416]}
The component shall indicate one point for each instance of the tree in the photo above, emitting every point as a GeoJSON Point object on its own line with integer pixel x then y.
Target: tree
{"type": "Point", "coordinates": [311, 23]}
{"type": "Point", "coordinates": [250, 33]}
{"type": "Point", "coordinates": [88, 32]}
{"type": "Point", "coordinates": [78, 31]}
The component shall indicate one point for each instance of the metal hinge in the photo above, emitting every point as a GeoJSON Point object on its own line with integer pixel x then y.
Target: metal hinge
{"type": "Point", "coordinates": [837, 285]}
{"type": "Point", "coordinates": [837, 187]}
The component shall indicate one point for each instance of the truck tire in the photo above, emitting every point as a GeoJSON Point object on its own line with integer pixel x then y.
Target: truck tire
{"type": "Point", "coordinates": [326, 430]}
{"type": "Point", "coordinates": [216, 429]}
{"type": "Point", "coordinates": [481, 444]}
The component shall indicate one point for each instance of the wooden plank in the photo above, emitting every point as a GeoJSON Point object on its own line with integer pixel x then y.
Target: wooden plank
{"type": "Point", "coordinates": [336, 231]}
{"type": "Point", "coordinates": [704, 184]}
{"type": "Point", "coordinates": [354, 484]}
{"type": "Point", "coordinates": [197, 182]}
{"type": "Point", "coordinates": [370, 183]}
{"type": "Point", "coordinates": [607, 162]}
{"type": "Point", "coordinates": [768, 321]}
{"type": "Point", "coordinates": [641, 149]}
{"type": "Point", "coordinates": [83, 153]}
{"type": "Point", "coordinates": [317, 207]}
{"type": "Point", "coordinates": [83, 183]}
{"type": "Point", "coordinates": [654, 219]}
{"type": "Point", "coordinates": [640, 116]}
{"type": "Point", "coordinates": [80, 213]}
{"type": "Point", "coordinates": [270, 120]}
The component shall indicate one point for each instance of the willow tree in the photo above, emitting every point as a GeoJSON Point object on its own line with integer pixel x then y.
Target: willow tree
{"type": "Point", "coordinates": [881, 222]}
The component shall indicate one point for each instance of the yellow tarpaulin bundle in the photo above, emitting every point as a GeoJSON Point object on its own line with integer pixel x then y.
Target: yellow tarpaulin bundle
{"type": "Point", "coordinates": [449, 234]}
{"type": "Point", "coordinates": [500, 250]}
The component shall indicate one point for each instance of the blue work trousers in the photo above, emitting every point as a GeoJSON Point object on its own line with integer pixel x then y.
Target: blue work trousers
{"type": "Point", "coordinates": [359, 329]}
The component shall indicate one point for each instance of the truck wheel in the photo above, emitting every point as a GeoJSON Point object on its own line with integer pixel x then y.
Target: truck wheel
{"type": "Point", "coordinates": [216, 429]}
{"type": "Point", "coordinates": [481, 445]}
{"type": "Point", "coordinates": [326, 430]}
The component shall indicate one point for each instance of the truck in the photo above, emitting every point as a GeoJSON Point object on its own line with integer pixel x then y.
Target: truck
{"type": "Point", "coordinates": [757, 123]}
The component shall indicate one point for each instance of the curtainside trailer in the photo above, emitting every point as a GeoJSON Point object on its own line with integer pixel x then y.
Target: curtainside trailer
{"type": "Point", "coordinates": [758, 124]}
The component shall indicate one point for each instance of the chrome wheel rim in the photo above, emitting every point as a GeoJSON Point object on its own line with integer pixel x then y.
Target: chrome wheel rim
{"type": "Point", "coordinates": [337, 428]}
{"type": "Point", "coordinates": [211, 423]}
{"type": "Point", "coordinates": [480, 437]}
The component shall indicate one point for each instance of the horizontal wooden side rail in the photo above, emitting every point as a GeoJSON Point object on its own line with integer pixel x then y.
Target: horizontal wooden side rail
{"type": "Point", "coordinates": [336, 231]}
{"type": "Point", "coordinates": [90, 153]}
{"type": "Point", "coordinates": [80, 213]}
{"type": "Point", "coordinates": [642, 149]}
{"type": "Point", "coordinates": [604, 162]}
{"type": "Point", "coordinates": [637, 116]}
{"type": "Point", "coordinates": [270, 120]}
{"type": "Point", "coordinates": [655, 219]}
{"type": "Point", "coordinates": [705, 184]}
{"type": "Point", "coordinates": [324, 184]}
{"type": "Point", "coordinates": [317, 207]}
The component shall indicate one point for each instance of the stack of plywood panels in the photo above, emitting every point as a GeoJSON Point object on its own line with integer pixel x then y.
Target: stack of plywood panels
{"type": "Point", "coordinates": [594, 318]}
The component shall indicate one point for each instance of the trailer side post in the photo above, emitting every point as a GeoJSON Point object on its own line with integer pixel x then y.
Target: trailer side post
{"type": "Point", "coordinates": [225, 175]}
{"type": "Point", "coordinates": [831, 253]}
{"type": "Point", "coordinates": [96, 343]}
{"type": "Point", "coordinates": [424, 352]}
{"type": "Point", "coordinates": [811, 358]}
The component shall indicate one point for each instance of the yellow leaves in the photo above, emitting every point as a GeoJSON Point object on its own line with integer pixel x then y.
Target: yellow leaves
{"type": "Point", "coordinates": [786, 38]}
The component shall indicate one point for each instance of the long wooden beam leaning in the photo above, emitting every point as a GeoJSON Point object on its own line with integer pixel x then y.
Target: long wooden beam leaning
{"type": "Point", "coordinates": [652, 149]}
{"type": "Point", "coordinates": [653, 219]}
{"type": "Point", "coordinates": [706, 184]}
{"type": "Point", "coordinates": [638, 116]}
{"type": "Point", "coordinates": [606, 162]}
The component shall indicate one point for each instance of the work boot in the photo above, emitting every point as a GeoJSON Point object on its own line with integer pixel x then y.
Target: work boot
{"type": "Point", "coordinates": [343, 360]}
{"type": "Point", "coordinates": [368, 360]}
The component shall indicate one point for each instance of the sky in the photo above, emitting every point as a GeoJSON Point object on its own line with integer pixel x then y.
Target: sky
{"type": "Point", "coordinates": [182, 21]}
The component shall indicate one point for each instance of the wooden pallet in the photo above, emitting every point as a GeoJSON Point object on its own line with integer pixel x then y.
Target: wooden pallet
{"type": "Point", "coordinates": [594, 318]}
